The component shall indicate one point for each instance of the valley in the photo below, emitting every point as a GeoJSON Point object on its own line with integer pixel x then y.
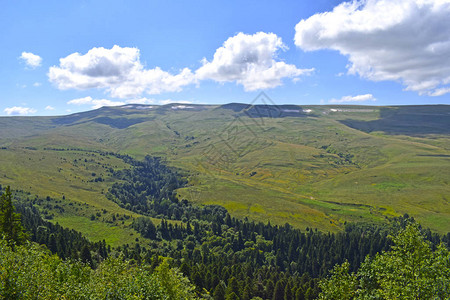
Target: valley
{"type": "Point", "coordinates": [311, 166]}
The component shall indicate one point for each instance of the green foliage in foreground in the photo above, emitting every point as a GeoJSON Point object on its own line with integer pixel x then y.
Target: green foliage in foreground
{"type": "Point", "coordinates": [10, 227]}
{"type": "Point", "coordinates": [31, 272]}
{"type": "Point", "coordinates": [411, 270]}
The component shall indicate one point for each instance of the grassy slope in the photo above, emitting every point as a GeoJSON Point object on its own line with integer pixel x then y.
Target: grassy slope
{"type": "Point", "coordinates": [317, 171]}
{"type": "Point", "coordinates": [297, 181]}
{"type": "Point", "coordinates": [43, 173]}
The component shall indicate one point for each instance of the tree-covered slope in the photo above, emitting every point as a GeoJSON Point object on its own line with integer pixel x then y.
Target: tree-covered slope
{"type": "Point", "coordinates": [311, 166]}
{"type": "Point", "coordinates": [223, 256]}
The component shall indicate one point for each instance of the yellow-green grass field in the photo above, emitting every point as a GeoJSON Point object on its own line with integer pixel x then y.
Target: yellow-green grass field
{"type": "Point", "coordinates": [333, 165]}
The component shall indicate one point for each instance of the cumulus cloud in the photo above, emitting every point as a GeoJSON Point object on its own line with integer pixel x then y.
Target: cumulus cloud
{"type": "Point", "coordinates": [358, 98]}
{"type": "Point", "coordinates": [401, 40]}
{"type": "Point", "coordinates": [141, 101]}
{"type": "Point", "coordinates": [250, 60]}
{"type": "Point", "coordinates": [49, 107]}
{"type": "Point", "coordinates": [117, 70]}
{"type": "Point", "coordinates": [19, 111]}
{"type": "Point", "coordinates": [169, 101]}
{"type": "Point", "coordinates": [31, 60]}
{"type": "Point", "coordinates": [95, 103]}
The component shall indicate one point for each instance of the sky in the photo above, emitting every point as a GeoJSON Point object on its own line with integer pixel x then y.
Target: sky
{"type": "Point", "coordinates": [61, 57]}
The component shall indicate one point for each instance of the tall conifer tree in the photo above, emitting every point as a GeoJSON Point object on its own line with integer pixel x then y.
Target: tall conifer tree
{"type": "Point", "coordinates": [10, 224]}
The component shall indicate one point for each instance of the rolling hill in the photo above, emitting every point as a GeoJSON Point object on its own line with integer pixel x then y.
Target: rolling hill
{"type": "Point", "coordinates": [310, 166]}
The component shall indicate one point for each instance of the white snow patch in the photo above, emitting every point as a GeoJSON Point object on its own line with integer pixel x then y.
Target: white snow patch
{"type": "Point", "coordinates": [291, 110]}
{"type": "Point", "coordinates": [350, 110]}
{"type": "Point", "coordinates": [182, 107]}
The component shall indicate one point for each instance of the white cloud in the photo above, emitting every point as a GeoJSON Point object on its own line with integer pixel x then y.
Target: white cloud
{"type": "Point", "coordinates": [141, 101]}
{"type": "Point", "coordinates": [37, 84]}
{"type": "Point", "coordinates": [118, 70]}
{"type": "Point", "coordinates": [19, 111]}
{"type": "Point", "coordinates": [49, 107]}
{"type": "Point", "coordinates": [440, 92]}
{"type": "Point", "coordinates": [402, 40]}
{"type": "Point", "coordinates": [31, 60]}
{"type": "Point", "coordinates": [81, 101]}
{"type": "Point", "coordinates": [95, 103]}
{"type": "Point", "coordinates": [250, 60]}
{"type": "Point", "coordinates": [170, 101]}
{"type": "Point", "coordinates": [358, 98]}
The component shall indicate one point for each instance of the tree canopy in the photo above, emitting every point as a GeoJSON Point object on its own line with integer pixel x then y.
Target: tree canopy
{"type": "Point", "coordinates": [410, 270]}
{"type": "Point", "coordinates": [10, 225]}
{"type": "Point", "coordinates": [32, 272]}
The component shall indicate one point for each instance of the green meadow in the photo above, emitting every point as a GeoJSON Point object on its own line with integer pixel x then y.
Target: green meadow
{"type": "Point", "coordinates": [312, 166]}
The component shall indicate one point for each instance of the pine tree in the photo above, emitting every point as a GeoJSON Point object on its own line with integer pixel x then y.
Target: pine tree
{"type": "Point", "coordinates": [278, 293]}
{"type": "Point", "coordinates": [10, 224]}
{"type": "Point", "coordinates": [232, 296]}
{"type": "Point", "coordinates": [270, 286]}
{"type": "Point", "coordinates": [299, 295]}
{"type": "Point", "coordinates": [219, 292]}
{"type": "Point", "coordinates": [246, 294]}
{"type": "Point", "coordinates": [288, 295]}
{"type": "Point", "coordinates": [233, 287]}
{"type": "Point", "coordinates": [86, 255]}
{"type": "Point", "coordinates": [52, 243]}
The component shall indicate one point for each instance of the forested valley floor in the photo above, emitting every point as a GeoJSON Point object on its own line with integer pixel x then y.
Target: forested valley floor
{"type": "Point", "coordinates": [203, 252]}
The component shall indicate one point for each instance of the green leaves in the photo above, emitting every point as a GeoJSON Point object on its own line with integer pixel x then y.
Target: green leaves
{"type": "Point", "coordinates": [32, 272]}
{"type": "Point", "coordinates": [403, 272]}
{"type": "Point", "coordinates": [174, 284]}
{"type": "Point", "coordinates": [411, 270]}
{"type": "Point", "coordinates": [341, 284]}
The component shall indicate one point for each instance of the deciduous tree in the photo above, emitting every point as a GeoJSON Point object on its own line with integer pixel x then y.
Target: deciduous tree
{"type": "Point", "coordinates": [411, 270]}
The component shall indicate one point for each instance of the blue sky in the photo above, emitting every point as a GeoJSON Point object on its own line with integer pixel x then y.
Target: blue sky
{"type": "Point", "coordinates": [59, 57]}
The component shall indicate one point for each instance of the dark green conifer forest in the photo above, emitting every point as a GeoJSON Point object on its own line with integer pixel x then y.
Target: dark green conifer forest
{"type": "Point", "coordinates": [203, 252]}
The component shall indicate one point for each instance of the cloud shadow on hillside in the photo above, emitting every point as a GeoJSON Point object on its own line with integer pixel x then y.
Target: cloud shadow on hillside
{"type": "Point", "coordinates": [407, 120]}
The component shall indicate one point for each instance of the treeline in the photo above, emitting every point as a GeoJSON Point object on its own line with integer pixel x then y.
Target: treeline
{"type": "Point", "coordinates": [264, 260]}
{"type": "Point", "coordinates": [26, 220]}
{"type": "Point", "coordinates": [30, 271]}
{"type": "Point", "coordinates": [224, 257]}
{"type": "Point", "coordinates": [412, 269]}
{"type": "Point", "coordinates": [148, 188]}
{"type": "Point", "coordinates": [66, 243]}
{"type": "Point", "coordinates": [230, 257]}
